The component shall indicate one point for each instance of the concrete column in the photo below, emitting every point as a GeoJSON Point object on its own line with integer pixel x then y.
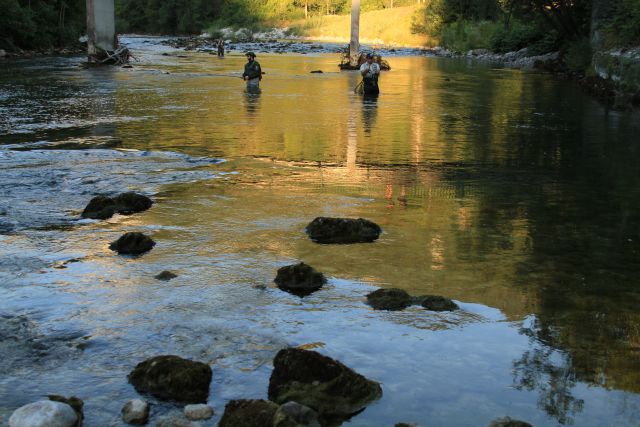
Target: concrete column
{"type": "Point", "coordinates": [101, 26]}
{"type": "Point", "coordinates": [354, 45]}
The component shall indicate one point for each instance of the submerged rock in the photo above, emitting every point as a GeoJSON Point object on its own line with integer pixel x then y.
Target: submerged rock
{"type": "Point", "coordinates": [389, 299]}
{"type": "Point", "coordinates": [136, 412]}
{"type": "Point", "coordinates": [343, 230]}
{"type": "Point", "coordinates": [321, 383]}
{"type": "Point", "coordinates": [176, 420]}
{"type": "Point", "coordinates": [508, 422]}
{"type": "Point", "coordinates": [436, 303]}
{"type": "Point", "coordinates": [173, 378]}
{"type": "Point", "coordinates": [103, 207]}
{"type": "Point", "coordinates": [199, 411]}
{"type": "Point", "coordinates": [299, 279]}
{"type": "Point", "coordinates": [132, 243]}
{"type": "Point", "coordinates": [293, 414]}
{"type": "Point", "coordinates": [45, 413]}
{"type": "Point", "coordinates": [248, 413]}
{"type": "Point", "coordinates": [165, 275]}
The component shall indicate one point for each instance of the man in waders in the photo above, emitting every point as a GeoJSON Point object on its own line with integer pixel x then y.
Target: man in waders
{"type": "Point", "coordinates": [370, 72]}
{"type": "Point", "coordinates": [252, 71]}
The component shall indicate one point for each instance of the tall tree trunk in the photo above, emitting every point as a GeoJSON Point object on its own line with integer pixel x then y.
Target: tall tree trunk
{"type": "Point", "coordinates": [354, 45]}
{"type": "Point", "coordinates": [306, 9]}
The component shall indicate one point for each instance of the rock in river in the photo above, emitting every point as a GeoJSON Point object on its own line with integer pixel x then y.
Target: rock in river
{"type": "Point", "coordinates": [321, 383]}
{"type": "Point", "coordinates": [343, 230]}
{"type": "Point", "coordinates": [389, 299]}
{"type": "Point", "coordinates": [293, 414]}
{"type": "Point", "coordinates": [172, 378]}
{"type": "Point", "coordinates": [132, 243]}
{"type": "Point", "coordinates": [299, 279]}
{"type": "Point", "coordinates": [136, 412]}
{"type": "Point", "coordinates": [103, 207]}
{"type": "Point", "coordinates": [166, 275]}
{"type": "Point", "coordinates": [436, 303]}
{"type": "Point", "coordinates": [199, 411]}
{"type": "Point", "coordinates": [45, 413]}
{"type": "Point", "coordinates": [248, 413]}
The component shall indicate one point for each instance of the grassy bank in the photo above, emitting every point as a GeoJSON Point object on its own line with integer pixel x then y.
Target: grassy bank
{"type": "Point", "coordinates": [387, 26]}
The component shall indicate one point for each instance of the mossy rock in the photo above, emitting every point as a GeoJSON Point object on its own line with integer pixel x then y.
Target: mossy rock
{"type": "Point", "coordinates": [103, 207]}
{"type": "Point", "coordinates": [100, 207]}
{"type": "Point", "coordinates": [76, 404]}
{"type": "Point", "coordinates": [509, 422]}
{"type": "Point", "coordinates": [299, 279]}
{"type": "Point", "coordinates": [172, 378]}
{"type": "Point", "coordinates": [436, 303]}
{"type": "Point", "coordinates": [321, 383]}
{"type": "Point", "coordinates": [248, 413]}
{"type": "Point", "coordinates": [132, 244]}
{"type": "Point", "coordinates": [166, 275]}
{"type": "Point", "coordinates": [343, 230]}
{"type": "Point", "coordinates": [389, 299]}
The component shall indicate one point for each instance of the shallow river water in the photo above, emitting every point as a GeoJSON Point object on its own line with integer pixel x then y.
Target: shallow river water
{"type": "Point", "coordinates": [510, 192]}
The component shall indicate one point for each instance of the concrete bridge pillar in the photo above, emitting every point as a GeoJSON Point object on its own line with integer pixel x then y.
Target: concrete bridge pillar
{"type": "Point", "coordinates": [101, 27]}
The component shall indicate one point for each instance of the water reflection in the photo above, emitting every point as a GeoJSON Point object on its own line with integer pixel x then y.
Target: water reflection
{"type": "Point", "coordinates": [369, 112]}
{"type": "Point", "coordinates": [493, 187]}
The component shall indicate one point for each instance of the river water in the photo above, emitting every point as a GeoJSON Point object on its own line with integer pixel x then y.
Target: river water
{"type": "Point", "coordinates": [510, 192]}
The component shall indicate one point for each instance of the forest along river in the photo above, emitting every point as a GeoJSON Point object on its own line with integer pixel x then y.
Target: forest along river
{"type": "Point", "coordinates": [510, 192]}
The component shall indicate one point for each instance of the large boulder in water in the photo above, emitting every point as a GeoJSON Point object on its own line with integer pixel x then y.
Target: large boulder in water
{"type": "Point", "coordinates": [103, 207]}
{"type": "Point", "coordinates": [100, 207]}
{"type": "Point", "coordinates": [436, 303]}
{"type": "Point", "coordinates": [248, 413]}
{"type": "Point", "coordinates": [45, 413]}
{"type": "Point", "coordinates": [343, 230]}
{"type": "Point", "coordinates": [299, 279]}
{"type": "Point", "coordinates": [172, 378]}
{"type": "Point", "coordinates": [130, 203]}
{"type": "Point", "coordinates": [132, 243]}
{"type": "Point", "coordinates": [389, 299]}
{"type": "Point", "coordinates": [321, 383]}
{"type": "Point", "coordinates": [293, 414]}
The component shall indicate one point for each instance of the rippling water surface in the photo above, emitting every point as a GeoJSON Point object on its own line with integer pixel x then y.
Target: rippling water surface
{"type": "Point", "coordinates": [510, 192]}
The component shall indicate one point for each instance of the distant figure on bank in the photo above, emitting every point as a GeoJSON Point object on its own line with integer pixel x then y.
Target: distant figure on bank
{"type": "Point", "coordinates": [252, 71]}
{"type": "Point", "coordinates": [370, 72]}
{"type": "Point", "coordinates": [220, 48]}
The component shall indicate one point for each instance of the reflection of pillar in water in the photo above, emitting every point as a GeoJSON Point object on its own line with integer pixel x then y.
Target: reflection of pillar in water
{"type": "Point", "coordinates": [352, 139]}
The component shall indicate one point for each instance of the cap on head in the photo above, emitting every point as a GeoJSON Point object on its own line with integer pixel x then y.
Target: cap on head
{"type": "Point", "coordinates": [369, 55]}
{"type": "Point", "coordinates": [251, 54]}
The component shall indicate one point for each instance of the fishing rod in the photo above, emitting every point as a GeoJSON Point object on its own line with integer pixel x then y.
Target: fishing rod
{"type": "Point", "coordinates": [355, 89]}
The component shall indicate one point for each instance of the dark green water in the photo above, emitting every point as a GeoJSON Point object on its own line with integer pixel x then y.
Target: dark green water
{"type": "Point", "coordinates": [512, 193]}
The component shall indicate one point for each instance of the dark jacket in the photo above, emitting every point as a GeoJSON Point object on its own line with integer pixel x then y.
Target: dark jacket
{"type": "Point", "coordinates": [252, 70]}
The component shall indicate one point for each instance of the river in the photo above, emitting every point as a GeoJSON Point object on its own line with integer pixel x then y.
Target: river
{"type": "Point", "coordinates": [510, 192]}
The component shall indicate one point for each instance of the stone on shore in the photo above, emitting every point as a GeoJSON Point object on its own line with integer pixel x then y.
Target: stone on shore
{"type": "Point", "coordinates": [321, 383]}
{"type": "Point", "coordinates": [136, 412]}
{"type": "Point", "coordinates": [293, 414]}
{"type": "Point", "coordinates": [343, 230]}
{"type": "Point", "coordinates": [166, 275]}
{"type": "Point", "coordinates": [103, 207]}
{"type": "Point", "coordinates": [436, 303]}
{"type": "Point", "coordinates": [199, 411]}
{"type": "Point", "coordinates": [76, 404]}
{"type": "Point", "coordinates": [44, 413]}
{"type": "Point", "coordinates": [508, 422]}
{"type": "Point", "coordinates": [172, 378]}
{"type": "Point", "coordinates": [389, 299]}
{"type": "Point", "coordinates": [132, 244]}
{"type": "Point", "coordinates": [299, 279]}
{"type": "Point", "coordinates": [248, 413]}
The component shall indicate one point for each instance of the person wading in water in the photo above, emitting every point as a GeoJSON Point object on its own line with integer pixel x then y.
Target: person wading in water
{"type": "Point", "coordinates": [370, 72]}
{"type": "Point", "coordinates": [252, 71]}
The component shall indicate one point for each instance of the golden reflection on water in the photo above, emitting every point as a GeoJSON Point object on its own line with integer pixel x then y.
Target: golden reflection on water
{"type": "Point", "coordinates": [476, 178]}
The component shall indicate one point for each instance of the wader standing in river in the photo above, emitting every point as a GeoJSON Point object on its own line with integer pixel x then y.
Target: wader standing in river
{"type": "Point", "coordinates": [220, 47]}
{"type": "Point", "coordinates": [252, 71]}
{"type": "Point", "coordinates": [370, 72]}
